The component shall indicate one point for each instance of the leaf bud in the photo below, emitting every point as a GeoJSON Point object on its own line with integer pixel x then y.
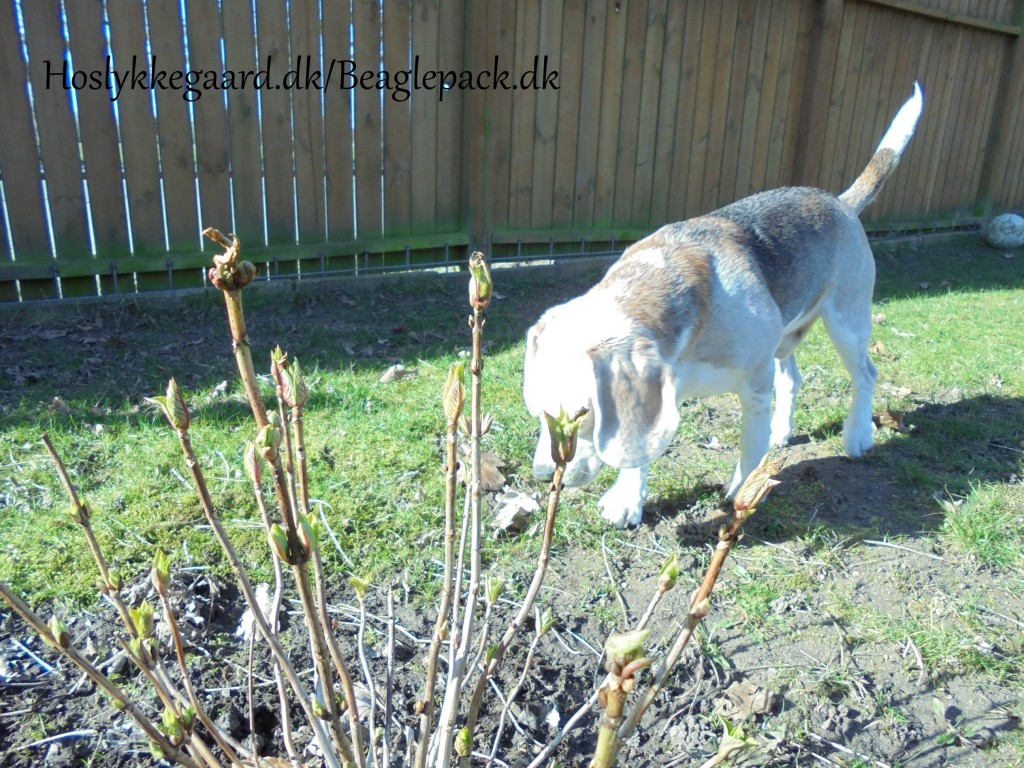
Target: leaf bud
{"type": "Point", "coordinates": [563, 431]}
{"type": "Point", "coordinates": [454, 397]}
{"type": "Point", "coordinates": [142, 619]}
{"type": "Point", "coordinates": [173, 406]}
{"type": "Point", "coordinates": [188, 717]}
{"type": "Point", "coordinates": [481, 287]}
{"type": "Point", "coordinates": [254, 464]}
{"type": "Point", "coordinates": [309, 533]}
{"type": "Point", "coordinates": [545, 622]}
{"type": "Point", "coordinates": [669, 574]}
{"type": "Point", "coordinates": [161, 572]}
{"type": "Point", "coordinates": [625, 647]}
{"type": "Point", "coordinates": [60, 635]}
{"type": "Point", "coordinates": [114, 581]}
{"type": "Point", "coordinates": [278, 539]}
{"type": "Point", "coordinates": [464, 742]}
{"type": "Point", "coordinates": [494, 589]}
{"type": "Point", "coordinates": [171, 727]}
{"type": "Point", "coordinates": [360, 585]}
{"type": "Point", "coordinates": [754, 489]}
{"type": "Point", "coordinates": [268, 441]}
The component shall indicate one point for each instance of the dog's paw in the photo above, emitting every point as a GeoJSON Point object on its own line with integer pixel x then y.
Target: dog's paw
{"type": "Point", "coordinates": [857, 440]}
{"type": "Point", "coordinates": [621, 510]}
{"type": "Point", "coordinates": [780, 437]}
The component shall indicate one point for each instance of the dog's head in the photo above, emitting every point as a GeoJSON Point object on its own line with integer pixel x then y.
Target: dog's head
{"type": "Point", "coordinates": [575, 360]}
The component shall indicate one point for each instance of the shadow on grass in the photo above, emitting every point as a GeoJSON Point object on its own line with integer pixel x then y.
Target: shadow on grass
{"type": "Point", "coordinates": [949, 448]}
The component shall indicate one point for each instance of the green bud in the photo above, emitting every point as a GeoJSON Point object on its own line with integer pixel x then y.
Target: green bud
{"type": "Point", "coordinates": [494, 589]}
{"type": "Point", "coordinates": [564, 430]}
{"type": "Point", "coordinates": [481, 287]}
{"type": "Point", "coordinates": [140, 650]}
{"type": "Point", "coordinates": [701, 609]}
{"type": "Point", "coordinates": [161, 572]}
{"type": "Point", "coordinates": [319, 709]}
{"type": "Point", "coordinates": [171, 727]}
{"type": "Point", "coordinates": [309, 532]}
{"type": "Point", "coordinates": [117, 704]}
{"type": "Point", "coordinates": [268, 440]}
{"type": "Point", "coordinates": [669, 574]}
{"type": "Point", "coordinates": [173, 406]}
{"type": "Point", "coordinates": [279, 542]}
{"type": "Point", "coordinates": [296, 393]}
{"type": "Point", "coordinates": [188, 717]}
{"type": "Point", "coordinates": [115, 581]}
{"type": "Point", "coordinates": [754, 489]}
{"type": "Point", "coordinates": [464, 743]}
{"type": "Point", "coordinates": [360, 585]}
{"type": "Point", "coordinates": [254, 464]}
{"type": "Point", "coordinates": [142, 619]}
{"type": "Point", "coordinates": [626, 647]}
{"type": "Point", "coordinates": [156, 751]}
{"type": "Point", "coordinates": [454, 397]}
{"type": "Point", "coordinates": [60, 634]}
{"type": "Point", "coordinates": [545, 621]}
{"type": "Point", "coordinates": [79, 513]}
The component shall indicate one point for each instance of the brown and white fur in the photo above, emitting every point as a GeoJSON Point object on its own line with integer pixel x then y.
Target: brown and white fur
{"type": "Point", "coordinates": [711, 305]}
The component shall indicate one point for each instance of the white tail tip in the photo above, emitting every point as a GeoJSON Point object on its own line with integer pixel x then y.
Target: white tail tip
{"type": "Point", "coordinates": [905, 122]}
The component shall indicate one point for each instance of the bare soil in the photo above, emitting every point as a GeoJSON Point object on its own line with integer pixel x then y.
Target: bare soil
{"type": "Point", "coordinates": [812, 688]}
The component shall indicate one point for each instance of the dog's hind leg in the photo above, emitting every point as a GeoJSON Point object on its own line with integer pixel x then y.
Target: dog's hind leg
{"type": "Point", "coordinates": [850, 330]}
{"type": "Point", "coordinates": [786, 384]}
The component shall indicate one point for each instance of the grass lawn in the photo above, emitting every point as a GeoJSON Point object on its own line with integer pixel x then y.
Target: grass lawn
{"type": "Point", "coordinates": [948, 343]}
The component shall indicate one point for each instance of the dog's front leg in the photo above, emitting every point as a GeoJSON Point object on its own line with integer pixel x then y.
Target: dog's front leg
{"type": "Point", "coordinates": [755, 428]}
{"type": "Point", "coordinates": [623, 504]}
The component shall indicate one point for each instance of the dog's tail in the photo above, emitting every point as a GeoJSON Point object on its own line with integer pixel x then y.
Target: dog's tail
{"type": "Point", "coordinates": [887, 156]}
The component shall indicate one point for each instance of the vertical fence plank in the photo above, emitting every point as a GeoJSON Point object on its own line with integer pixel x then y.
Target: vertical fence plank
{"type": "Point", "coordinates": [646, 117]}
{"type": "Point", "coordinates": [523, 144]}
{"type": "Point", "coordinates": [100, 151]}
{"type": "Point", "coordinates": [397, 122]}
{"type": "Point", "coordinates": [753, 91]}
{"type": "Point", "coordinates": [211, 119]}
{"type": "Point", "coordinates": [545, 133]}
{"type": "Point", "coordinates": [307, 101]}
{"type": "Point", "coordinates": [449, 155]}
{"type": "Point", "coordinates": [570, 68]}
{"type": "Point", "coordinates": [19, 169]}
{"type": "Point", "coordinates": [424, 148]}
{"type": "Point", "coordinates": [670, 94]}
{"type": "Point", "coordinates": [696, 178]}
{"type": "Point", "coordinates": [243, 123]}
{"type": "Point", "coordinates": [368, 131]}
{"type": "Point", "coordinates": [338, 158]}
{"type": "Point", "coordinates": [629, 135]}
{"type": "Point", "coordinates": [501, 108]}
{"type": "Point", "coordinates": [589, 108]}
{"type": "Point", "coordinates": [58, 141]}
{"type": "Point", "coordinates": [177, 151]}
{"type": "Point", "coordinates": [741, 49]}
{"type": "Point", "coordinates": [276, 122]}
{"type": "Point", "coordinates": [684, 152]}
{"type": "Point", "coordinates": [610, 115]}
{"type": "Point", "coordinates": [774, 53]}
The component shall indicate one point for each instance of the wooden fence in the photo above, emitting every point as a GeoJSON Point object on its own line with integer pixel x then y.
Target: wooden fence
{"type": "Point", "coordinates": [114, 153]}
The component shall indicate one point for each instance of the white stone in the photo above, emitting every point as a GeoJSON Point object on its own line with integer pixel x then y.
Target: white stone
{"type": "Point", "coordinates": [1005, 231]}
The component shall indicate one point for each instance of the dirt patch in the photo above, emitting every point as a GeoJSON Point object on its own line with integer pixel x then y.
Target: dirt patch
{"type": "Point", "coordinates": [830, 643]}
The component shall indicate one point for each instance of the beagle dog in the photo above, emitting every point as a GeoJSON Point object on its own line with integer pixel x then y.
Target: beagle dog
{"type": "Point", "coordinates": [711, 305]}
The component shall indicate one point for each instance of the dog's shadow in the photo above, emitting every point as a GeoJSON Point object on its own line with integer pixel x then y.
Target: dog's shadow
{"type": "Point", "coordinates": [940, 453]}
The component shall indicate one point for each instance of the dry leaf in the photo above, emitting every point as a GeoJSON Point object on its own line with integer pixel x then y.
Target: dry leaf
{"type": "Point", "coordinates": [58, 405]}
{"type": "Point", "coordinates": [892, 420]}
{"type": "Point", "coordinates": [878, 348]}
{"type": "Point", "coordinates": [743, 700]}
{"type": "Point", "coordinates": [514, 512]}
{"type": "Point", "coordinates": [491, 478]}
{"type": "Point", "coordinates": [398, 371]}
{"type": "Point", "coordinates": [879, 319]}
{"type": "Point", "coordinates": [904, 392]}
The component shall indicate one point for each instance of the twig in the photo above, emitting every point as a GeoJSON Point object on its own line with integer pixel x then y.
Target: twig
{"type": "Point", "coordinates": [42, 664]}
{"type": "Point", "coordinates": [84, 734]}
{"type": "Point", "coordinates": [613, 580]}
{"type": "Point", "coordinates": [889, 544]}
{"type": "Point", "coordinates": [847, 750]}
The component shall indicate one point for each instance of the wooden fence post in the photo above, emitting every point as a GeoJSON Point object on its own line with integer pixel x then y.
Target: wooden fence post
{"type": "Point", "coordinates": [821, 65]}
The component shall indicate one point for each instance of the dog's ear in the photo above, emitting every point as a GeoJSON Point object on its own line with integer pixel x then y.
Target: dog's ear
{"type": "Point", "coordinates": [635, 413]}
{"type": "Point", "coordinates": [531, 385]}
